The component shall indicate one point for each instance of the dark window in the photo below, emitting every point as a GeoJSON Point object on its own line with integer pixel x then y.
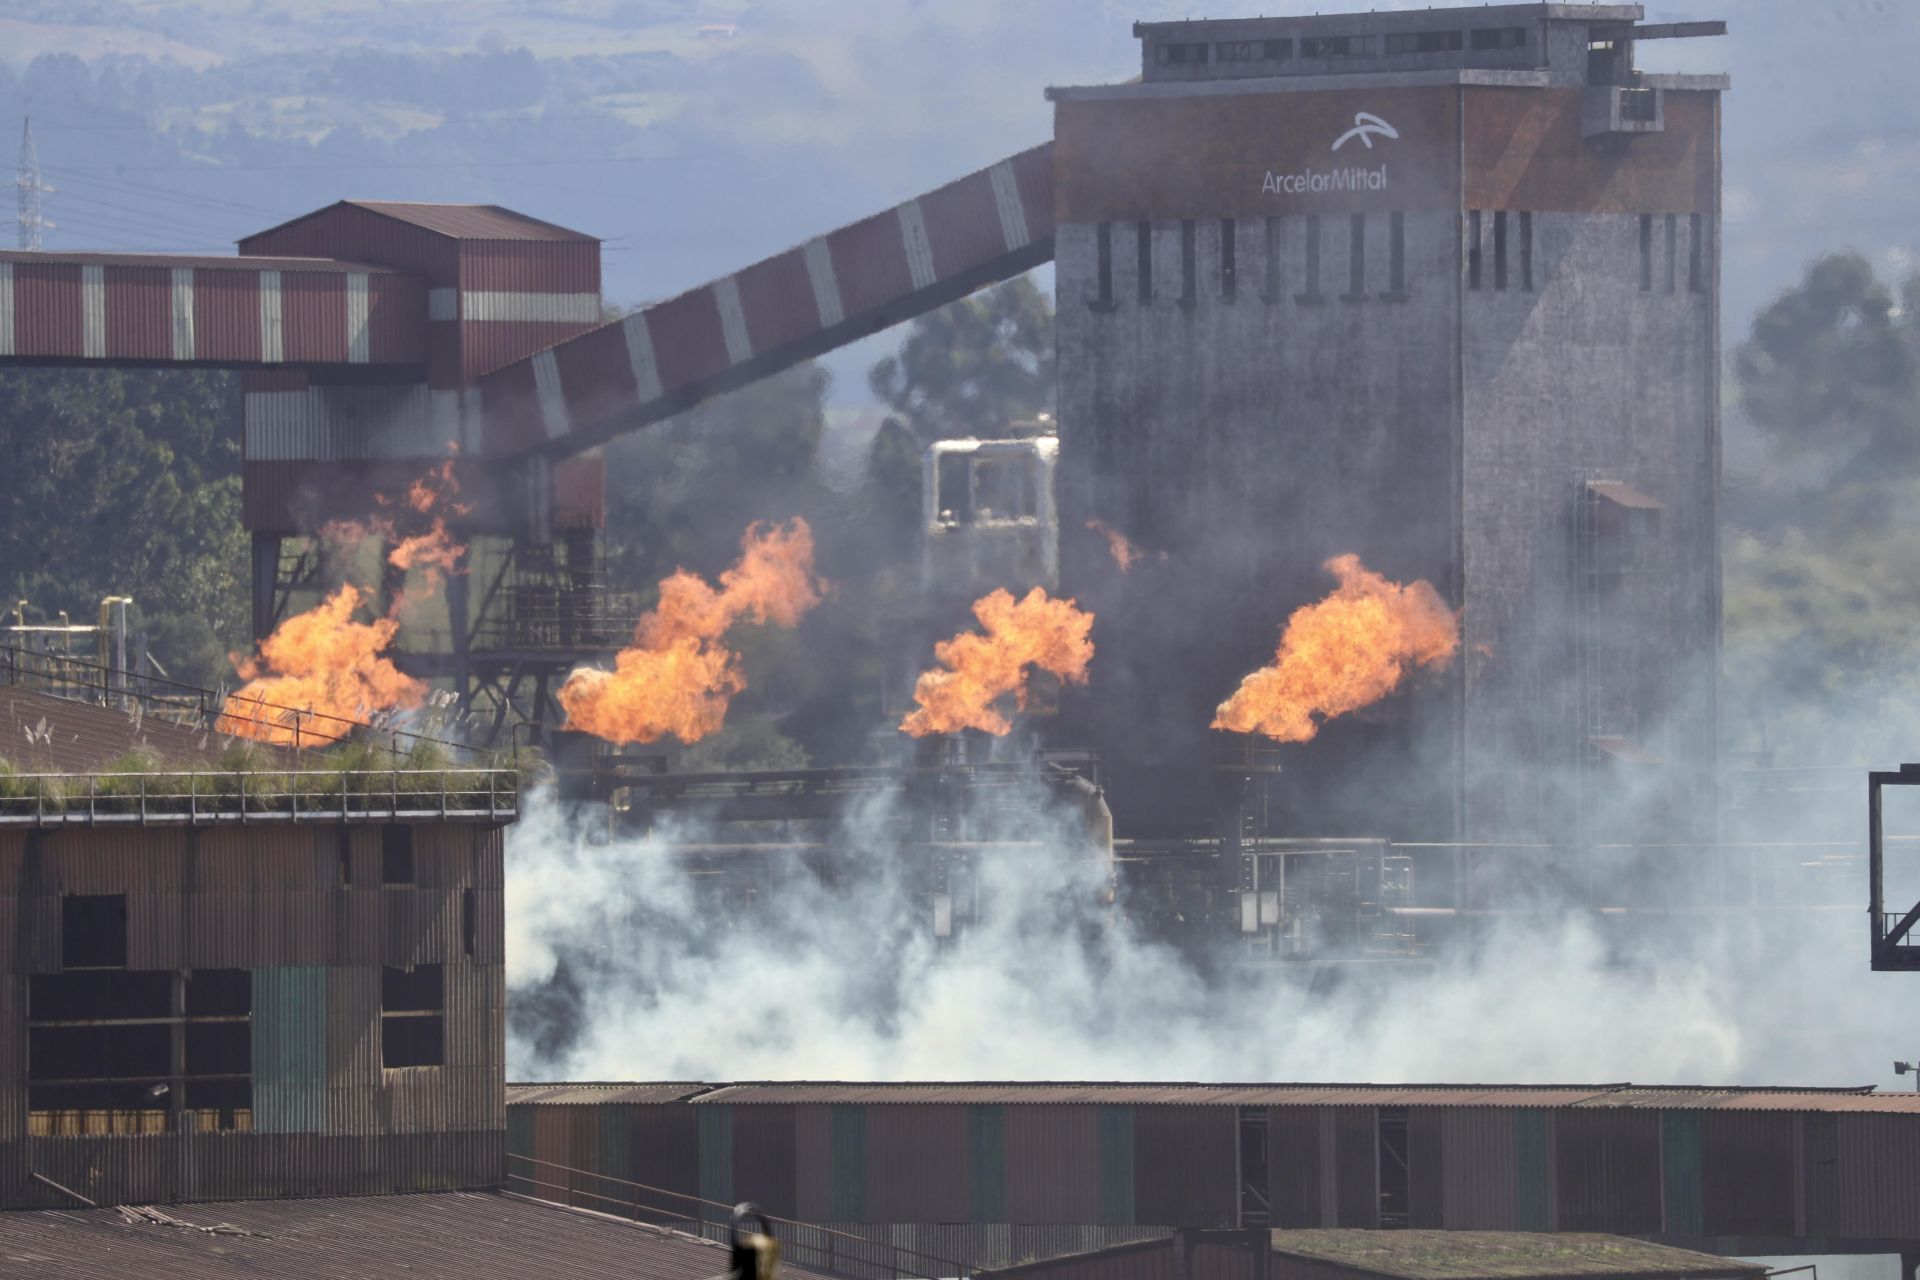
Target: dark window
{"type": "Point", "coordinates": [224, 993]}
{"type": "Point", "coordinates": [412, 1016]}
{"type": "Point", "coordinates": [1255, 1211]}
{"type": "Point", "coordinates": [1336, 47]}
{"type": "Point", "coordinates": [1473, 248]}
{"type": "Point", "coordinates": [1144, 264]}
{"type": "Point", "coordinates": [1526, 252]}
{"type": "Point", "coordinates": [93, 931]}
{"type": "Point", "coordinates": [1189, 253]}
{"type": "Point", "coordinates": [1272, 288]}
{"type": "Point", "coordinates": [1103, 258]}
{"type": "Point", "coordinates": [1499, 38]}
{"type": "Point", "coordinates": [396, 854]}
{"type": "Point", "coordinates": [1395, 1182]}
{"type": "Point", "coordinates": [218, 1048]}
{"type": "Point", "coordinates": [1642, 106]}
{"type": "Point", "coordinates": [98, 997]}
{"type": "Point", "coordinates": [1356, 257]}
{"type": "Point", "coordinates": [1003, 487]}
{"type": "Point", "coordinates": [1175, 55]}
{"type": "Point", "coordinates": [1499, 249]}
{"type": "Point", "coordinates": [1646, 253]}
{"type": "Point", "coordinates": [1423, 42]}
{"type": "Point", "coordinates": [953, 480]}
{"type": "Point", "coordinates": [1603, 62]}
{"type": "Point", "coordinates": [1253, 50]}
{"type": "Point", "coordinates": [1397, 254]}
{"type": "Point", "coordinates": [1312, 292]}
{"type": "Point", "coordinates": [1673, 252]}
{"type": "Point", "coordinates": [469, 921]}
{"type": "Point", "coordinates": [1229, 250]}
{"type": "Point", "coordinates": [1696, 256]}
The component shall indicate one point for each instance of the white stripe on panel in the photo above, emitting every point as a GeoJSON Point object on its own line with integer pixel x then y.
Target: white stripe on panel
{"type": "Point", "coordinates": [733, 319]}
{"type": "Point", "coordinates": [1006, 198]}
{"type": "Point", "coordinates": [93, 312]}
{"type": "Point", "coordinates": [646, 371]}
{"type": "Point", "coordinates": [913, 232]}
{"type": "Point", "coordinates": [6, 308]}
{"type": "Point", "coordinates": [826, 284]}
{"type": "Point", "coordinates": [272, 347]}
{"type": "Point", "coordinates": [358, 342]}
{"type": "Point", "coordinates": [183, 313]}
{"type": "Point", "coordinates": [443, 304]}
{"type": "Point", "coordinates": [553, 401]}
{"type": "Point", "coordinates": [551, 308]}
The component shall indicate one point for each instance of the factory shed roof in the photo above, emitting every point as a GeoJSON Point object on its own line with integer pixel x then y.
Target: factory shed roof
{"type": "Point", "coordinates": [1726, 1098]}
{"type": "Point", "coordinates": [590, 1094]}
{"type": "Point", "coordinates": [1502, 1255]}
{"type": "Point", "coordinates": [434, 1236]}
{"type": "Point", "coordinates": [455, 221]}
{"type": "Point", "coordinates": [198, 261]}
{"type": "Point", "coordinates": [42, 733]}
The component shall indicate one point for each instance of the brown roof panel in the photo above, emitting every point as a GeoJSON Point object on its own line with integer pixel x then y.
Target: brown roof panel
{"type": "Point", "coordinates": [1503, 1255]}
{"type": "Point", "coordinates": [40, 733]}
{"type": "Point", "coordinates": [587, 1095]}
{"type": "Point", "coordinates": [471, 221]}
{"type": "Point", "coordinates": [199, 261]}
{"type": "Point", "coordinates": [435, 1236]}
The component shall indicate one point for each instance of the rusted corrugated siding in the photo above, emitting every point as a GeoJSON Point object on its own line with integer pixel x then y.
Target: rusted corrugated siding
{"type": "Point", "coordinates": [870, 262]}
{"type": "Point", "coordinates": [1477, 1153]}
{"type": "Point", "coordinates": [1183, 1166]}
{"type": "Point", "coordinates": [1426, 1180]}
{"type": "Point", "coordinates": [1356, 1167]}
{"type": "Point", "coordinates": [764, 1158]}
{"type": "Point", "coordinates": [313, 314]}
{"type": "Point", "coordinates": [688, 342]}
{"type": "Point", "coordinates": [13, 1049]}
{"type": "Point", "coordinates": [1820, 1175]}
{"type": "Point", "coordinates": [986, 1163]}
{"type": "Point", "coordinates": [46, 309]}
{"type": "Point", "coordinates": [397, 318]}
{"type": "Point", "coordinates": [1053, 1164]}
{"type": "Point", "coordinates": [353, 1050]}
{"type": "Point", "coordinates": [665, 1150]}
{"type": "Point", "coordinates": [1608, 1170]}
{"type": "Point", "coordinates": [1879, 1167]}
{"type": "Point", "coordinates": [1747, 1173]}
{"type": "Point", "coordinates": [139, 313]}
{"type": "Point", "coordinates": [777, 299]}
{"type": "Point", "coordinates": [813, 1162]}
{"type": "Point", "coordinates": [226, 315]}
{"type": "Point", "coordinates": [493, 344]}
{"type": "Point", "coordinates": [361, 235]}
{"type": "Point", "coordinates": [916, 1163]}
{"type": "Point", "coordinates": [531, 266]}
{"type": "Point", "coordinates": [1293, 1166]}
{"type": "Point", "coordinates": [1152, 1260]}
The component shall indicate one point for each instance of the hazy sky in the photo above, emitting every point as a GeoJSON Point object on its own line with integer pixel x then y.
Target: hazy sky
{"type": "Point", "coordinates": [693, 154]}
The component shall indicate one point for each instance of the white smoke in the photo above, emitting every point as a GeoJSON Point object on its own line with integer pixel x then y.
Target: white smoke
{"type": "Point", "coordinates": [845, 981]}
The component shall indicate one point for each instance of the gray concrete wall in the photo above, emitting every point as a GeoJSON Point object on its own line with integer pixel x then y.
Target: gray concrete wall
{"type": "Point", "coordinates": [1588, 377]}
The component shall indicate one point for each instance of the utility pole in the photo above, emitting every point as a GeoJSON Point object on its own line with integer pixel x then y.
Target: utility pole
{"type": "Point", "coordinates": [32, 223]}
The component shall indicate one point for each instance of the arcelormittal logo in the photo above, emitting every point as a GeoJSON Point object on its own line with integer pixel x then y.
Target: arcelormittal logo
{"type": "Point", "coordinates": [1366, 126]}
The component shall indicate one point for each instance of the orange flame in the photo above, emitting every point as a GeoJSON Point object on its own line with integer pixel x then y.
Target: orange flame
{"type": "Point", "coordinates": [1038, 631]}
{"type": "Point", "coordinates": [322, 663]}
{"type": "Point", "coordinates": [433, 549]}
{"type": "Point", "coordinates": [677, 678]}
{"type": "Point", "coordinates": [1342, 653]}
{"type": "Point", "coordinates": [1124, 552]}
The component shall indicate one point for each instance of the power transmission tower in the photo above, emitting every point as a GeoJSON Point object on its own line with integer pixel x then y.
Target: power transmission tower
{"type": "Point", "coordinates": [32, 223]}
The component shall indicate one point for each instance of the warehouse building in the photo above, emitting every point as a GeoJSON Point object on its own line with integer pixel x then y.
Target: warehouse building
{"type": "Point", "coordinates": [1438, 288]}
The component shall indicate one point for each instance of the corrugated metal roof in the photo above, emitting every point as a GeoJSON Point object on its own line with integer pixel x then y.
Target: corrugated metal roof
{"type": "Point", "coordinates": [78, 736]}
{"type": "Point", "coordinates": [204, 262]}
{"type": "Point", "coordinates": [1506, 1255]}
{"type": "Point", "coordinates": [455, 221]}
{"type": "Point", "coordinates": [1861, 1098]}
{"type": "Point", "coordinates": [586, 1095]}
{"type": "Point", "coordinates": [435, 1236]}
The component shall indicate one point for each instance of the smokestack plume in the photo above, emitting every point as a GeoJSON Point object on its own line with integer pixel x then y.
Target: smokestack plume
{"type": "Point", "coordinates": [1036, 632]}
{"type": "Point", "coordinates": [1343, 653]}
{"type": "Point", "coordinates": [324, 662]}
{"type": "Point", "coordinates": [678, 678]}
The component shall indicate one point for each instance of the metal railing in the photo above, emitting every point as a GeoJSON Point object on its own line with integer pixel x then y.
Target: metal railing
{"type": "Point", "coordinates": [804, 1244]}
{"type": "Point", "coordinates": [214, 710]}
{"type": "Point", "coordinates": [326, 795]}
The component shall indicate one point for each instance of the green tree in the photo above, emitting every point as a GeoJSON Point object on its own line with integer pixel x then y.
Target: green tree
{"type": "Point", "coordinates": [971, 368]}
{"type": "Point", "coordinates": [127, 482]}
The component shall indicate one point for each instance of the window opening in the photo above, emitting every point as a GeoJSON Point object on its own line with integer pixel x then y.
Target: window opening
{"type": "Point", "coordinates": [1175, 55]}
{"type": "Point", "coordinates": [396, 854]}
{"type": "Point", "coordinates": [1103, 258]}
{"type": "Point", "coordinates": [1356, 257]}
{"type": "Point", "coordinates": [413, 1007]}
{"type": "Point", "coordinates": [1229, 285]}
{"type": "Point", "coordinates": [1500, 250]}
{"type": "Point", "coordinates": [1312, 293]}
{"type": "Point", "coordinates": [1272, 290]}
{"type": "Point", "coordinates": [1397, 255]}
{"type": "Point", "coordinates": [1696, 256]}
{"type": "Point", "coordinates": [1642, 106]}
{"type": "Point", "coordinates": [1485, 38]}
{"type": "Point", "coordinates": [1673, 235]}
{"type": "Point", "coordinates": [1526, 252]}
{"type": "Point", "coordinates": [1145, 262]}
{"type": "Point", "coordinates": [1189, 253]}
{"type": "Point", "coordinates": [1394, 1180]}
{"type": "Point", "coordinates": [1336, 46]}
{"type": "Point", "coordinates": [1003, 487]}
{"type": "Point", "coordinates": [1646, 253]}
{"type": "Point", "coordinates": [1424, 42]}
{"type": "Point", "coordinates": [1473, 248]}
{"type": "Point", "coordinates": [93, 931]}
{"type": "Point", "coordinates": [1253, 50]}
{"type": "Point", "coordinates": [1255, 1211]}
{"type": "Point", "coordinates": [953, 478]}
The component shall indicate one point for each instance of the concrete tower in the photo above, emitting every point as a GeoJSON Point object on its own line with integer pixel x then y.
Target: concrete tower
{"type": "Point", "coordinates": [1438, 288]}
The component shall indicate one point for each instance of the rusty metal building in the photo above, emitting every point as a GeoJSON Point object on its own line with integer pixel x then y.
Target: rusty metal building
{"type": "Point", "coordinates": [989, 1173]}
{"type": "Point", "coordinates": [213, 994]}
